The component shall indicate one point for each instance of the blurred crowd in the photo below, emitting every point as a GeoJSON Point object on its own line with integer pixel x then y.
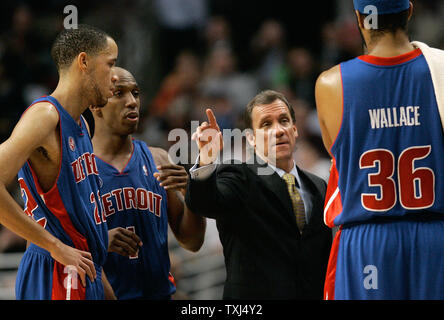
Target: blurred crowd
{"type": "Point", "coordinates": [188, 55]}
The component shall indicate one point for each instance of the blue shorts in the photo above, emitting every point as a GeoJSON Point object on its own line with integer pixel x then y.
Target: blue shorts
{"type": "Point", "coordinates": [388, 260]}
{"type": "Point", "coordinates": [39, 277]}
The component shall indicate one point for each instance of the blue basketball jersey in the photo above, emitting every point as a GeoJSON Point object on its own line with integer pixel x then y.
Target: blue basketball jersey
{"type": "Point", "coordinates": [388, 153]}
{"type": "Point", "coordinates": [133, 199]}
{"type": "Point", "coordinates": [386, 184]}
{"type": "Point", "coordinates": [70, 210]}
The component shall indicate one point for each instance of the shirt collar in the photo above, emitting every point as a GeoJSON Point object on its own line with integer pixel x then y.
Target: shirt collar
{"type": "Point", "coordinates": [293, 171]}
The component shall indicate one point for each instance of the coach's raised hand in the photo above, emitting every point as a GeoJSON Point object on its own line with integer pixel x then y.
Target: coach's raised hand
{"type": "Point", "coordinates": [209, 139]}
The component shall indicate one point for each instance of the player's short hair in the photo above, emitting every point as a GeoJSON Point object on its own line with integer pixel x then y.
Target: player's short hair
{"type": "Point", "coordinates": [390, 23]}
{"type": "Point", "coordinates": [265, 97]}
{"type": "Point", "coordinates": [70, 42]}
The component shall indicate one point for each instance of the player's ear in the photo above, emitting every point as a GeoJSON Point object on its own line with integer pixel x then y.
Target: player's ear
{"type": "Point", "coordinates": [360, 19]}
{"type": "Point", "coordinates": [250, 137]}
{"type": "Point", "coordinates": [295, 131]}
{"type": "Point", "coordinates": [82, 61]}
{"type": "Point", "coordinates": [410, 11]}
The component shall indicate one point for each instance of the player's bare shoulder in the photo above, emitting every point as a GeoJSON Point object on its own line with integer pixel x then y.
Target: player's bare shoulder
{"type": "Point", "coordinates": [45, 159]}
{"type": "Point", "coordinates": [329, 100]}
{"type": "Point", "coordinates": [46, 117]}
{"type": "Point", "coordinates": [41, 111]}
{"type": "Point", "coordinates": [35, 137]}
{"type": "Point", "coordinates": [160, 156]}
{"type": "Point", "coordinates": [328, 90]}
{"type": "Point", "coordinates": [329, 79]}
{"type": "Point", "coordinates": [37, 126]}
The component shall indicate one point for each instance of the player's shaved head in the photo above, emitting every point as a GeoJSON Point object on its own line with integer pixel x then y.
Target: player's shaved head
{"type": "Point", "coordinates": [123, 75]}
{"type": "Point", "coordinates": [120, 116]}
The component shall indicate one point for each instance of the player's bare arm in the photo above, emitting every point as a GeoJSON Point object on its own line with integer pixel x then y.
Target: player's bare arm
{"type": "Point", "coordinates": [328, 93]}
{"type": "Point", "coordinates": [107, 288]}
{"type": "Point", "coordinates": [171, 176]}
{"type": "Point", "coordinates": [33, 139]}
{"type": "Point", "coordinates": [188, 228]}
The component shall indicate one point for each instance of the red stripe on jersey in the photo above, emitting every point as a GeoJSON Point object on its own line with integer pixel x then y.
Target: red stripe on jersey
{"type": "Point", "coordinates": [66, 284]}
{"type": "Point", "coordinates": [391, 61]}
{"type": "Point", "coordinates": [63, 286]}
{"type": "Point", "coordinates": [171, 278]}
{"type": "Point", "coordinates": [333, 202]}
{"type": "Point", "coordinates": [330, 277]}
{"type": "Point", "coordinates": [55, 204]}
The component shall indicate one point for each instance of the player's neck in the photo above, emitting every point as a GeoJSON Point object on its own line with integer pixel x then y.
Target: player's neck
{"type": "Point", "coordinates": [390, 45]}
{"type": "Point", "coordinates": [70, 97]}
{"type": "Point", "coordinates": [108, 145]}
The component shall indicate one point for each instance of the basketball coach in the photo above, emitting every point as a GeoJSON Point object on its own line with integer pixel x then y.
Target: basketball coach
{"type": "Point", "coordinates": [269, 212]}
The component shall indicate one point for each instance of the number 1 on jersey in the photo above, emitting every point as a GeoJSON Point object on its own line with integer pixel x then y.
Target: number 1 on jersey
{"type": "Point", "coordinates": [132, 229]}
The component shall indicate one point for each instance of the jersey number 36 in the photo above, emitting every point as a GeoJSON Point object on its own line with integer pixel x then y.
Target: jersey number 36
{"type": "Point", "coordinates": [416, 186]}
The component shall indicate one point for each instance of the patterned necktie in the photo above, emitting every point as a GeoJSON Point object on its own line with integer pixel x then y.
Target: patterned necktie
{"type": "Point", "coordinates": [298, 204]}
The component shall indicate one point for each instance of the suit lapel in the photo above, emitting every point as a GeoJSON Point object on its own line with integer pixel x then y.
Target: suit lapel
{"type": "Point", "coordinates": [274, 184]}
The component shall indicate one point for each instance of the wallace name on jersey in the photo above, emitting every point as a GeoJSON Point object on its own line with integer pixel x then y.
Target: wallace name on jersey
{"type": "Point", "coordinates": [394, 117]}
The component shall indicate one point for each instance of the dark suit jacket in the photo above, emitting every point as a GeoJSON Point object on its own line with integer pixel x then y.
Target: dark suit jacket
{"type": "Point", "coordinates": [265, 255]}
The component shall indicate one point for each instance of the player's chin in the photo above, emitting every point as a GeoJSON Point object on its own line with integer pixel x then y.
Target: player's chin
{"type": "Point", "coordinates": [105, 96]}
{"type": "Point", "coordinates": [130, 127]}
{"type": "Point", "coordinates": [101, 102]}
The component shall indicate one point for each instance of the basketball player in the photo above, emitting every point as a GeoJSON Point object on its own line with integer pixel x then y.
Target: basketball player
{"type": "Point", "coordinates": [134, 199]}
{"type": "Point", "coordinates": [51, 151]}
{"type": "Point", "coordinates": [380, 122]}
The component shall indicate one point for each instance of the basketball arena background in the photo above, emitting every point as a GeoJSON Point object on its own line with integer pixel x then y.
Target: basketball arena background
{"type": "Point", "coordinates": [187, 55]}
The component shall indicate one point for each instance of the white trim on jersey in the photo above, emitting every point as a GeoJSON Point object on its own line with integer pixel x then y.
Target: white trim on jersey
{"type": "Point", "coordinates": [330, 201]}
{"type": "Point", "coordinates": [435, 60]}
